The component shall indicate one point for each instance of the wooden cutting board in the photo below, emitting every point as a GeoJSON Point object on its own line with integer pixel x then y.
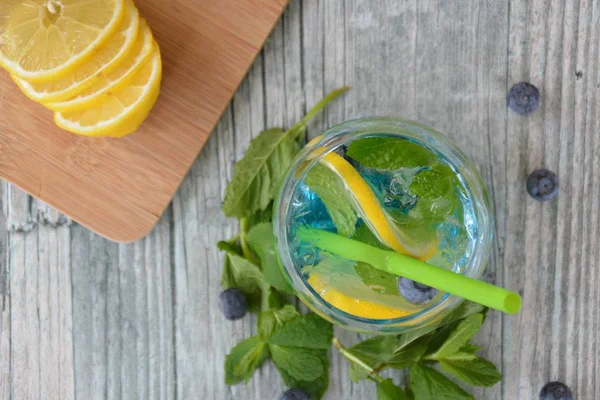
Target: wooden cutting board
{"type": "Point", "coordinates": [120, 187]}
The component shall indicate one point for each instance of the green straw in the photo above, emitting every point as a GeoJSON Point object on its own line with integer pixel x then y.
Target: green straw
{"type": "Point", "coordinates": [401, 265]}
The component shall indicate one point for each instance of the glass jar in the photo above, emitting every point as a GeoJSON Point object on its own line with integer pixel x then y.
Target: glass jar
{"type": "Point", "coordinates": [341, 135]}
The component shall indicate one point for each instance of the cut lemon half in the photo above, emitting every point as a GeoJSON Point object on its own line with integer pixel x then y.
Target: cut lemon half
{"type": "Point", "coordinates": [115, 80]}
{"type": "Point", "coordinates": [110, 54]}
{"type": "Point", "coordinates": [121, 112]}
{"type": "Point", "coordinates": [42, 40]}
{"type": "Point", "coordinates": [358, 307]}
{"type": "Point", "coordinates": [370, 210]}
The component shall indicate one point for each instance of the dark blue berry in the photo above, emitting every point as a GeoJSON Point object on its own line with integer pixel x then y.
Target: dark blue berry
{"type": "Point", "coordinates": [415, 292]}
{"type": "Point", "coordinates": [542, 185]}
{"type": "Point", "coordinates": [295, 394]}
{"type": "Point", "coordinates": [523, 98]}
{"type": "Point", "coordinates": [233, 304]}
{"type": "Point", "coordinates": [556, 391]}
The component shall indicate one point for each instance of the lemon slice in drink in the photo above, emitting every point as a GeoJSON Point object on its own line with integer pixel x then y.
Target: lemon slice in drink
{"type": "Point", "coordinates": [120, 112]}
{"type": "Point", "coordinates": [115, 80]}
{"type": "Point", "coordinates": [107, 58]}
{"type": "Point", "coordinates": [372, 213]}
{"type": "Point", "coordinates": [42, 40]}
{"type": "Point", "coordinates": [358, 307]}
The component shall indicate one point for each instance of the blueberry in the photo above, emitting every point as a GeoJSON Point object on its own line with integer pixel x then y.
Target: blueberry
{"type": "Point", "coordinates": [523, 98]}
{"type": "Point", "coordinates": [542, 185]}
{"type": "Point", "coordinates": [415, 292]}
{"type": "Point", "coordinates": [556, 391]}
{"type": "Point", "coordinates": [233, 304]}
{"type": "Point", "coordinates": [295, 394]}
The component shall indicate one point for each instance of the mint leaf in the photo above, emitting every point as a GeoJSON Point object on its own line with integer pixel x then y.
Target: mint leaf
{"type": "Point", "coordinates": [428, 384]}
{"type": "Point", "coordinates": [463, 332]}
{"type": "Point", "coordinates": [433, 183]}
{"type": "Point", "coordinates": [476, 372]}
{"type": "Point", "coordinates": [332, 191]}
{"type": "Point", "coordinates": [378, 281]}
{"type": "Point", "coordinates": [242, 274]}
{"type": "Point", "coordinates": [257, 175]}
{"type": "Point", "coordinates": [389, 153]}
{"type": "Point", "coordinates": [386, 390]}
{"type": "Point", "coordinates": [364, 234]}
{"type": "Point", "coordinates": [465, 353]}
{"type": "Point", "coordinates": [261, 216]}
{"type": "Point", "coordinates": [260, 239]}
{"type": "Point", "coordinates": [309, 331]}
{"type": "Point", "coordinates": [300, 363]}
{"type": "Point", "coordinates": [470, 348]}
{"type": "Point", "coordinates": [316, 388]}
{"type": "Point", "coordinates": [271, 320]}
{"type": "Point", "coordinates": [229, 246]}
{"type": "Point", "coordinates": [376, 350]}
{"type": "Point", "coordinates": [408, 355]}
{"type": "Point", "coordinates": [357, 373]}
{"type": "Point", "coordinates": [243, 359]}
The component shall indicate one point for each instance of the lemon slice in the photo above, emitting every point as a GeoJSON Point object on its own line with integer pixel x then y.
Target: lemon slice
{"type": "Point", "coordinates": [358, 307]}
{"type": "Point", "coordinates": [115, 80]}
{"type": "Point", "coordinates": [121, 112]}
{"type": "Point", "coordinates": [42, 40]}
{"type": "Point", "coordinates": [372, 213]}
{"type": "Point", "coordinates": [107, 58]}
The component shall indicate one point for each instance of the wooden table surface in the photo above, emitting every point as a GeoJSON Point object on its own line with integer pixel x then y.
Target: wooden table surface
{"type": "Point", "coordinates": [89, 319]}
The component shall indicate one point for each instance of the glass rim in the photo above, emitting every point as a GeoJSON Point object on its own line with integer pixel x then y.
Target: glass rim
{"type": "Point", "coordinates": [340, 135]}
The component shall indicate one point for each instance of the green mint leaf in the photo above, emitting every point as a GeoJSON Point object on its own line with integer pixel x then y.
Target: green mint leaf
{"type": "Point", "coordinates": [465, 309]}
{"type": "Point", "coordinates": [376, 350]}
{"type": "Point", "coordinates": [428, 384]}
{"type": "Point", "coordinates": [409, 354]}
{"type": "Point", "coordinates": [261, 216]}
{"type": "Point", "coordinates": [331, 190]}
{"type": "Point", "coordinates": [470, 348]}
{"type": "Point", "coordinates": [316, 388]}
{"type": "Point", "coordinates": [477, 371]}
{"type": "Point", "coordinates": [300, 363]}
{"type": "Point", "coordinates": [229, 246]}
{"type": "Point", "coordinates": [309, 331]}
{"type": "Point", "coordinates": [298, 130]}
{"type": "Point", "coordinates": [386, 390]}
{"type": "Point", "coordinates": [433, 183]}
{"type": "Point", "coordinates": [463, 332]}
{"type": "Point", "coordinates": [243, 359]}
{"type": "Point", "coordinates": [258, 174]}
{"type": "Point", "coordinates": [242, 274]}
{"type": "Point", "coordinates": [271, 320]}
{"type": "Point", "coordinates": [260, 239]}
{"type": "Point", "coordinates": [389, 153]}
{"type": "Point", "coordinates": [364, 234]}
{"type": "Point", "coordinates": [357, 373]}
{"type": "Point", "coordinates": [378, 281]}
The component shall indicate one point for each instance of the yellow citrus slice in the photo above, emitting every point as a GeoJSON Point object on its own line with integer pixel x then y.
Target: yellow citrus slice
{"type": "Point", "coordinates": [121, 112]}
{"type": "Point", "coordinates": [358, 307]}
{"type": "Point", "coordinates": [106, 59]}
{"type": "Point", "coordinates": [42, 40]}
{"type": "Point", "coordinates": [115, 80]}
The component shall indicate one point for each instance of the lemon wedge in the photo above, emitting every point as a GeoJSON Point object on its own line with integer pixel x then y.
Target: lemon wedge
{"type": "Point", "coordinates": [120, 112]}
{"type": "Point", "coordinates": [115, 80]}
{"type": "Point", "coordinates": [107, 58]}
{"type": "Point", "coordinates": [370, 210]}
{"type": "Point", "coordinates": [358, 307]}
{"type": "Point", "coordinates": [42, 40]}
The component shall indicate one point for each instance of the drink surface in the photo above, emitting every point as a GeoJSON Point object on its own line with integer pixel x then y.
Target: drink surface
{"type": "Point", "coordinates": [391, 193]}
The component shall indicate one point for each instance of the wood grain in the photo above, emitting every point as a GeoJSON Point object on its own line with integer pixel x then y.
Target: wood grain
{"type": "Point", "coordinates": [119, 188]}
{"type": "Point", "coordinates": [141, 320]}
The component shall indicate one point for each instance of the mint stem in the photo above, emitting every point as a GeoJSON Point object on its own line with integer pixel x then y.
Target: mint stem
{"type": "Point", "coordinates": [348, 355]}
{"type": "Point", "coordinates": [244, 242]}
{"type": "Point", "coordinates": [299, 129]}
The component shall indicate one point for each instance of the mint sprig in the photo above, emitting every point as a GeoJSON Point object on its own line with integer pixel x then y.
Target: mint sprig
{"type": "Point", "coordinates": [298, 344]}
